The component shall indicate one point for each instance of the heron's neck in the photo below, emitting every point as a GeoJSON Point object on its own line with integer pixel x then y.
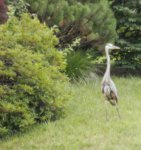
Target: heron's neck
{"type": "Point", "coordinates": [107, 73]}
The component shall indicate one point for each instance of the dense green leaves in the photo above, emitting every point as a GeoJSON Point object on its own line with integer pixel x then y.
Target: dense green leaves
{"type": "Point", "coordinates": [78, 63]}
{"type": "Point", "coordinates": [128, 14]}
{"type": "Point", "coordinates": [32, 85]}
{"type": "Point", "coordinates": [92, 21]}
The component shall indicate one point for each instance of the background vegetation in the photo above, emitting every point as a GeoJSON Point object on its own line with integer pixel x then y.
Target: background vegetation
{"type": "Point", "coordinates": [128, 15]}
{"type": "Point", "coordinates": [92, 21]}
{"type": "Point", "coordinates": [44, 44]}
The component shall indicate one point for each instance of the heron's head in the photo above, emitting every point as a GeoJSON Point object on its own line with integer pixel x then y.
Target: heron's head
{"type": "Point", "coordinates": [110, 46]}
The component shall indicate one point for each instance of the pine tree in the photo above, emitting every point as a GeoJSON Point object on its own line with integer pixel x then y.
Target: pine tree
{"type": "Point", "coordinates": [128, 14]}
{"type": "Point", "coordinates": [90, 20]}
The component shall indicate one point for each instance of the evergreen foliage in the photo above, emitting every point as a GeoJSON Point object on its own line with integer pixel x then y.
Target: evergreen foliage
{"type": "Point", "coordinates": [92, 21]}
{"type": "Point", "coordinates": [128, 14]}
{"type": "Point", "coordinates": [32, 85]}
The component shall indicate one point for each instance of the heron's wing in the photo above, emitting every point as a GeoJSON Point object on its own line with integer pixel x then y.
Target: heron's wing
{"type": "Point", "coordinates": [106, 89]}
{"type": "Point", "coordinates": [109, 89]}
{"type": "Point", "coordinates": [113, 88]}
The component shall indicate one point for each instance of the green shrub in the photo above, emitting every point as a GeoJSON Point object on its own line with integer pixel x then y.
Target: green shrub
{"type": "Point", "coordinates": [32, 85]}
{"type": "Point", "coordinates": [78, 63]}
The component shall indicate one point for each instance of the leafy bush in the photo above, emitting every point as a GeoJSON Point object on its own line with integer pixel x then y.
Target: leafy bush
{"type": "Point", "coordinates": [32, 85]}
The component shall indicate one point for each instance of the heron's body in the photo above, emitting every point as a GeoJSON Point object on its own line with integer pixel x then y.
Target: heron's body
{"type": "Point", "coordinates": [110, 92]}
{"type": "Point", "coordinates": [108, 87]}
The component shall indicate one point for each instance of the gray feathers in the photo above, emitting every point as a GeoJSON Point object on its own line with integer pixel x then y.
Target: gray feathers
{"type": "Point", "coordinates": [110, 91]}
{"type": "Point", "coordinates": [108, 86]}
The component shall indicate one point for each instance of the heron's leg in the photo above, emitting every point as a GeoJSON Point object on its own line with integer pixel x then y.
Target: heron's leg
{"type": "Point", "coordinates": [106, 110]}
{"type": "Point", "coordinates": [118, 111]}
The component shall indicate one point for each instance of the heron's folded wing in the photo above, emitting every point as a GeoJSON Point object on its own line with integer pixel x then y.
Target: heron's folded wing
{"type": "Point", "coordinates": [113, 88]}
{"type": "Point", "coordinates": [106, 89]}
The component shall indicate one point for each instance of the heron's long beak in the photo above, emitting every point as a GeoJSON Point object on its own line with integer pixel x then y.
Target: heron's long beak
{"type": "Point", "coordinates": [116, 47]}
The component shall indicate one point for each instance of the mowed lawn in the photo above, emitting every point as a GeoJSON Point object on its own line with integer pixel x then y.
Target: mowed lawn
{"type": "Point", "coordinates": [85, 126]}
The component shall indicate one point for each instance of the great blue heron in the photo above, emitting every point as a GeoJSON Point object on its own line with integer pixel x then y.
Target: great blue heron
{"type": "Point", "coordinates": [108, 87]}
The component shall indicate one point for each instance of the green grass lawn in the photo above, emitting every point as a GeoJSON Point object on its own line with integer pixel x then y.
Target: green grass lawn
{"type": "Point", "coordinates": [85, 126]}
